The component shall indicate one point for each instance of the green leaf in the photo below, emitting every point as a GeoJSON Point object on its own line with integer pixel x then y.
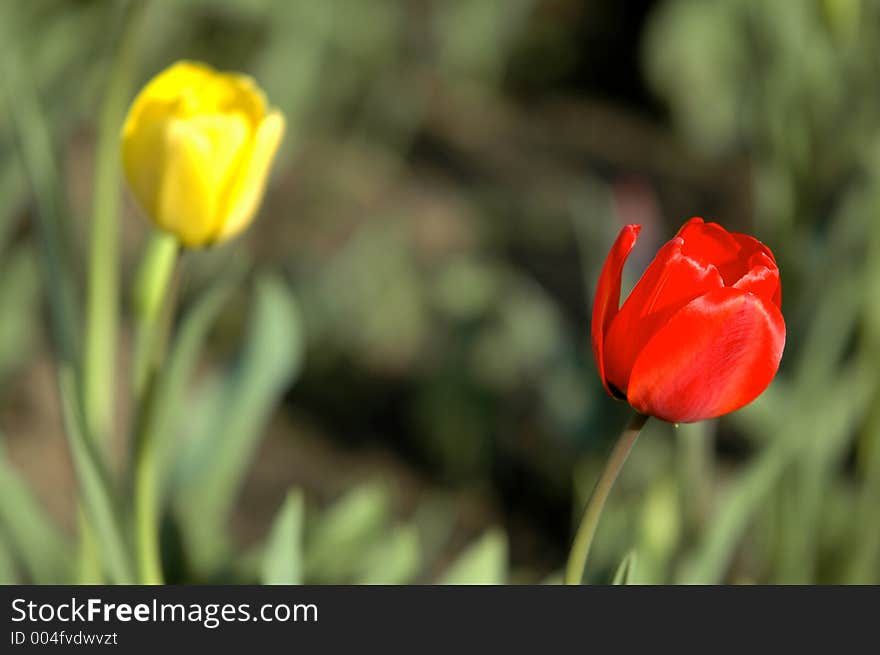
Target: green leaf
{"type": "Point", "coordinates": [94, 483]}
{"type": "Point", "coordinates": [102, 299]}
{"type": "Point", "coordinates": [170, 391]}
{"type": "Point", "coordinates": [394, 560]}
{"type": "Point", "coordinates": [483, 562]}
{"type": "Point", "coordinates": [33, 138]}
{"type": "Point", "coordinates": [213, 465]}
{"type": "Point", "coordinates": [346, 530]}
{"type": "Point", "coordinates": [19, 302]}
{"type": "Point", "coordinates": [282, 561]}
{"type": "Point", "coordinates": [29, 532]}
{"type": "Point", "coordinates": [626, 571]}
{"type": "Point", "coordinates": [731, 519]}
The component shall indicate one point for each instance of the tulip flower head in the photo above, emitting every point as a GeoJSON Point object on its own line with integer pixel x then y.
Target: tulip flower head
{"type": "Point", "coordinates": [701, 334]}
{"type": "Point", "coordinates": [197, 146]}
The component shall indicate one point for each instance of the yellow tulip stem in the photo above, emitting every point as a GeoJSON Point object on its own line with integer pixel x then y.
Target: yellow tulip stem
{"type": "Point", "coordinates": [154, 300]}
{"type": "Point", "coordinates": [151, 288]}
{"type": "Point", "coordinates": [580, 549]}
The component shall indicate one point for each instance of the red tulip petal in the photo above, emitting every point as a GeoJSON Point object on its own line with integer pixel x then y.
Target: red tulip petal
{"type": "Point", "coordinates": [762, 276]}
{"type": "Point", "coordinates": [762, 279]}
{"type": "Point", "coordinates": [708, 242]}
{"type": "Point", "coordinates": [728, 251]}
{"type": "Point", "coordinates": [607, 302]}
{"type": "Point", "coordinates": [750, 246]}
{"type": "Point", "coordinates": [670, 282]}
{"type": "Point", "coordinates": [714, 356]}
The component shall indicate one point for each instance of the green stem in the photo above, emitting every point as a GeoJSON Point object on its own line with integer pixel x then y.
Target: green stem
{"type": "Point", "coordinates": [580, 548]}
{"type": "Point", "coordinates": [102, 309]}
{"type": "Point", "coordinates": [146, 502]}
{"type": "Point", "coordinates": [154, 297]}
{"type": "Point", "coordinates": [151, 286]}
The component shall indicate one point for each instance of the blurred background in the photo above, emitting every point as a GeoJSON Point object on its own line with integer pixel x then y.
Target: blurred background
{"type": "Point", "coordinates": [401, 359]}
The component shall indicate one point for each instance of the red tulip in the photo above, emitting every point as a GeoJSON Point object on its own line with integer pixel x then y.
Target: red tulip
{"type": "Point", "coordinates": [701, 334]}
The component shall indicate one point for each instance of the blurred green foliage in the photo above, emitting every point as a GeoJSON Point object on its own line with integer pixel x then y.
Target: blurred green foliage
{"type": "Point", "coordinates": [793, 86]}
{"type": "Point", "coordinates": [420, 276]}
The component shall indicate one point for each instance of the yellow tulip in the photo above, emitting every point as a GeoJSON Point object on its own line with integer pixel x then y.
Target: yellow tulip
{"type": "Point", "coordinates": [197, 146]}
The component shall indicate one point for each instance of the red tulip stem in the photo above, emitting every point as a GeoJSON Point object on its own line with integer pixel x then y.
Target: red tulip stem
{"type": "Point", "coordinates": [580, 548]}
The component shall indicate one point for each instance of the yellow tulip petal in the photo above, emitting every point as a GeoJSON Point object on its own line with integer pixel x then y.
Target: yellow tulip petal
{"type": "Point", "coordinates": [241, 93]}
{"type": "Point", "coordinates": [196, 148]}
{"type": "Point", "coordinates": [190, 88]}
{"type": "Point", "coordinates": [166, 89]}
{"type": "Point", "coordinates": [181, 75]}
{"type": "Point", "coordinates": [143, 154]}
{"type": "Point", "coordinates": [144, 131]}
{"type": "Point", "coordinates": [201, 153]}
{"type": "Point", "coordinates": [247, 189]}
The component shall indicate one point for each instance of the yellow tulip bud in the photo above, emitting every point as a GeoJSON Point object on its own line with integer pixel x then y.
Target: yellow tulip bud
{"type": "Point", "coordinates": [197, 146]}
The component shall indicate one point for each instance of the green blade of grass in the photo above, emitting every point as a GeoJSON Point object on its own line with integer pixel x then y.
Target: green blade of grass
{"type": "Point", "coordinates": [831, 418]}
{"type": "Point", "coordinates": [30, 534]}
{"type": "Point", "coordinates": [282, 561]}
{"type": "Point", "coordinates": [393, 560]}
{"type": "Point", "coordinates": [97, 494]}
{"type": "Point", "coordinates": [349, 528]}
{"type": "Point", "coordinates": [626, 571]}
{"type": "Point", "coordinates": [483, 562]}
{"type": "Point", "coordinates": [34, 146]}
{"type": "Point", "coordinates": [33, 139]}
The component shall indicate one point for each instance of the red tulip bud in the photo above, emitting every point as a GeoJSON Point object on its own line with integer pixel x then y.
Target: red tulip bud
{"type": "Point", "coordinates": [701, 334]}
